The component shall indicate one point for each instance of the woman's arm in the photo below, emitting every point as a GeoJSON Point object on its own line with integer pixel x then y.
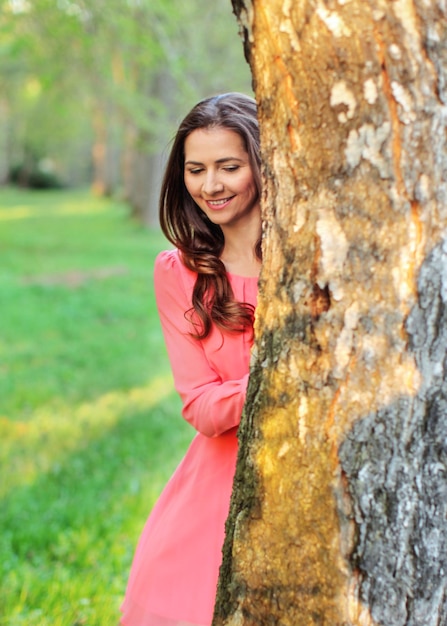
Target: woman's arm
{"type": "Point", "coordinates": [211, 405]}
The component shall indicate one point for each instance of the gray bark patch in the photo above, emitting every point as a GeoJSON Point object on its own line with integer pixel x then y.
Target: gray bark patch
{"type": "Point", "coordinates": [395, 462]}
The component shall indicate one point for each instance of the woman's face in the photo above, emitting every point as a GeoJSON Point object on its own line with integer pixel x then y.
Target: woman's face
{"type": "Point", "coordinates": [219, 177]}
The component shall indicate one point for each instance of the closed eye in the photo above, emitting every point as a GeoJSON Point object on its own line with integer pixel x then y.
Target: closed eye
{"type": "Point", "coordinates": [231, 168]}
{"type": "Point", "coordinates": [195, 170]}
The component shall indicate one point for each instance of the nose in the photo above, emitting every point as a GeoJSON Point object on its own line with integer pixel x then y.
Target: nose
{"type": "Point", "coordinates": [212, 184]}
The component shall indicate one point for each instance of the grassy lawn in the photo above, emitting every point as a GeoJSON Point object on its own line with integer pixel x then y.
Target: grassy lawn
{"type": "Point", "coordinates": [89, 423]}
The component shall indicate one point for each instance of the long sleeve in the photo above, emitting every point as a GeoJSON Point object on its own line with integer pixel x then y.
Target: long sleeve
{"type": "Point", "coordinates": [210, 404]}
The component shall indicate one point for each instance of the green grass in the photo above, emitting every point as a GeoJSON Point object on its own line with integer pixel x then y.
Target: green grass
{"type": "Point", "coordinates": [89, 422]}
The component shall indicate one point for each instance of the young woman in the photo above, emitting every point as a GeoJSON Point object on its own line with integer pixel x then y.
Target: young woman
{"type": "Point", "coordinates": [206, 291]}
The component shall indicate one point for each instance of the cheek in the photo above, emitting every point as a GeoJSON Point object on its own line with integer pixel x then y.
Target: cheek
{"type": "Point", "coordinates": [247, 182]}
{"type": "Point", "coordinates": [190, 187]}
{"type": "Point", "coordinates": [250, 187]}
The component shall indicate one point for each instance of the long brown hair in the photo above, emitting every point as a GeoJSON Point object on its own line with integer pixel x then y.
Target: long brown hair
{"type": "Point", "coordinates": [184, 224]}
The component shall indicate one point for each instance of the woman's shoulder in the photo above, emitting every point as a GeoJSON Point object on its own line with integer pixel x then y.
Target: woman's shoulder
{"type": "Point", "coordinates": [169, 267]}
{"type": "Point", "coordinates": [167, 260]}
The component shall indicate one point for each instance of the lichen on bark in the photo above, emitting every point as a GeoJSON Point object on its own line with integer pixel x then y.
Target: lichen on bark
{"type": "Point", "coordinates": [395, 463]}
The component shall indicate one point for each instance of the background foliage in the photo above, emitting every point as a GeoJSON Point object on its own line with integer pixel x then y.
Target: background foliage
{"type": "Point", "coordinates": [91, 92]}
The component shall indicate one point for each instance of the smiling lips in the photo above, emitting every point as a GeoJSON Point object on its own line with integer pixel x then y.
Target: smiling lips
{"type": "Point", "coordinates": [218, 204]}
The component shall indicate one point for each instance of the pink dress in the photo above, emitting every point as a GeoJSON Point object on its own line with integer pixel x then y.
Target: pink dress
{"type": "Point", "coordinates": [176, 565]}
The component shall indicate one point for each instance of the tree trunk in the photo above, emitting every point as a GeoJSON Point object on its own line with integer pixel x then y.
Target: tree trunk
{"type": "Point", "coordinates": [105, 152]}
{"type": "Point", "coordinates": [144, 156]}
{"type": "Point", "coordinates": [5, 164]}
{"type": "Point", "coordinates": [142, 174]}
{"type": "Point", "coordinates": [340, 499]}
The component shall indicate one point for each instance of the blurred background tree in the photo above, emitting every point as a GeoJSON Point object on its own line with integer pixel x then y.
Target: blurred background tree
{"type": "Point", "coordinates": [91, 90]}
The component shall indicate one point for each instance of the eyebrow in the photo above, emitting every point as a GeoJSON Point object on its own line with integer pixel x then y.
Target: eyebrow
{"type": "Point", "coordinates": [223, 160]}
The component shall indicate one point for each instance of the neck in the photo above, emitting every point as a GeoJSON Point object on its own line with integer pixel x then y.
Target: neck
{"type": "Point", "coordinates": [239, 253]}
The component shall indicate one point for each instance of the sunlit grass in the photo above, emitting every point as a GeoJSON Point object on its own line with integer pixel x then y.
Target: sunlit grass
{"type": "Point", "coordinates": [41, 444]}
{"type": "Point", "coordinates": [89, 423]}
{"type": "Point", "coordinates": [29, 212]}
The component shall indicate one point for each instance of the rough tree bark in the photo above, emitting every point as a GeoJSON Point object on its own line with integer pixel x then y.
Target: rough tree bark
{"type": "Point", "coordinates": [338, 515]}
